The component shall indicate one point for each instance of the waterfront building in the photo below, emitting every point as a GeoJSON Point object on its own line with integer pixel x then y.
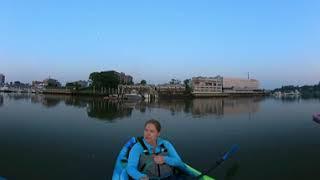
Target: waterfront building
{"type": "Point", "coordinates": [125, 79]}
{"type": "Point", "coordinates": [239, 85]}
{"type": "Point", "coordinates": [206, 86]}
{"type": "Point", "coordinates": [2, 79]}
{"type": "Point", "coordinates": [38, 84]}
{"type": "Point", "coordinates": [51, 83]}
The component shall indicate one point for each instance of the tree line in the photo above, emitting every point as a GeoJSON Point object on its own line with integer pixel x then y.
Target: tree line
{"type": "Point", "coordinates": [306, 90]}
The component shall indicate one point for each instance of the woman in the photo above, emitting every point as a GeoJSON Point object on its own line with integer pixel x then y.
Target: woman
{"type": "Point", "coordinates": [153, 157]}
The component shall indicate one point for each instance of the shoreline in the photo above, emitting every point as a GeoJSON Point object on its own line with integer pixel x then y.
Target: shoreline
{"type": "Point", "coordinates": [160, 96]}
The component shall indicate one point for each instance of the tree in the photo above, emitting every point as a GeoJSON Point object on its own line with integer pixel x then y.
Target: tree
{"type": "Point", "coordinates": [175, 81]}
{"type": "Point", "coordinates": [186, 83]}
{"type": "Point", "coordinates": [73, 85]}
{"type": "Point", "coordinates": [143, 82]}
{"type": "Point", "coordinates": [105, 79]}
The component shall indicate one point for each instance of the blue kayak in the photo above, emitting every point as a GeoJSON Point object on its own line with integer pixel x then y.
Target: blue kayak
{"type": "Point", "coordinates": [120, 173]}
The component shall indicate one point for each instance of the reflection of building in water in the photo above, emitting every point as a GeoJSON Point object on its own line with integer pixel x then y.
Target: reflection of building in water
{"type": "Point", "coordinates": [172, 105]}
{"type": "Point", "coordinates": [47, 100]}
{"type": "Point", "coordinates": [223, 106]}
{"type": "Point", "coordinates": [207, 106]}
{"type": "Point", "coordinates": [18, 96]}
{"type": "Point", "coordinates": [241, 105]}
{"type": "Point", "coordinates": [50, 101]}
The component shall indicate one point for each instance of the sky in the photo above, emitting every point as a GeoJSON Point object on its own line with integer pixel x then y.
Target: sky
{"type": "Point", "coordinates": [277, 42]}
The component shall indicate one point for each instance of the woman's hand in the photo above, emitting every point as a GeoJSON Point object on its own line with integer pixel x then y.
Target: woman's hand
{"type": "Point", "coordinates": [158, 159]}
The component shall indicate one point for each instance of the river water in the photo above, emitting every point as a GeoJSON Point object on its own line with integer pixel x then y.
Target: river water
{"type": "Point", "coordinates": [64, 137]}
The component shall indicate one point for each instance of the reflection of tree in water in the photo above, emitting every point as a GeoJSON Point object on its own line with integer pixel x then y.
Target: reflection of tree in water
{"type": "Point", "coordinates": [76, 101]}
{"type": "Point", "coordinates": [142, 106]}
{"type": "Point", "coordinates": [1, 100]}
{"type": "Point", "coordinates": [108, 110]}
{"type": "Point", "coordinates": [290, 99]}
{"type": "Point", "coordinates": [53, 100]}
{"type": "Point", "coordinates": [48, 100]}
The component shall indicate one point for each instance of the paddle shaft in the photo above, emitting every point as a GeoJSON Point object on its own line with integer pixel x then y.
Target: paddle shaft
{"type": "Point", "coordinates": [210, 169]}
{"type": "Point", "coordinates": [226, 155]}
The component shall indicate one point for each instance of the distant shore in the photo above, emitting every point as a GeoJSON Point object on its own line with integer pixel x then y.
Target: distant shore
{"type": "Point", "coordinates": [88, 92]}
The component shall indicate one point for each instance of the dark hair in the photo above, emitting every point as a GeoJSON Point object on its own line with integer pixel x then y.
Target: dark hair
{"type": "Point", "coordinates": [155, 123]}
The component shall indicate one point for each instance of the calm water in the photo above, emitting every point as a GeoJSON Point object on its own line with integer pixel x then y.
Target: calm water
{"type": "Point", "coordinates": [63, 137]}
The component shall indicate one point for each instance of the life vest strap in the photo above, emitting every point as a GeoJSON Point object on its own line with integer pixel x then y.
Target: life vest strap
{"type": "Point", "coordinates": [145, 149]}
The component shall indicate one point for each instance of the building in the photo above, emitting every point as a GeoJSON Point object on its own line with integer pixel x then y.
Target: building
{"type": "Point", "coordinates": [240, 85]}
{"type": "Point", "coordinates": [38, 84]}
{"type": "Point", "coordinates": [2, 79]}
{"type": "Point", "coordinates": [123, 78]}
{"type": "Point", "coordinates": [51, 83]}
{"type": "Point", "coordinates": [206, 86]}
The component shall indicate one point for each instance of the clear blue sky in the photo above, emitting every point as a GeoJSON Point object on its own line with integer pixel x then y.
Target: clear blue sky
{"type": "Point", "coordinates": [278, 42]}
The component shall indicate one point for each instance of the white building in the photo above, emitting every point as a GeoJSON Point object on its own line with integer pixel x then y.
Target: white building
{"type": "Point", "coordinates": [238, 84]}
{"type": "Point", "coordinates": [206, 86]}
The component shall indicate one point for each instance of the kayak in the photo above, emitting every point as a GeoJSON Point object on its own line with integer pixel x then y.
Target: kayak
{"type": "Point", "coordinates": [120, 173]}
{"type": "Point", "coordinates": [198, 173]}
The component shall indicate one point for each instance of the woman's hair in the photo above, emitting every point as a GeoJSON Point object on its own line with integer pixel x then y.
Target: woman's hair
{"type": "Point", "coordinates": [155, 123]}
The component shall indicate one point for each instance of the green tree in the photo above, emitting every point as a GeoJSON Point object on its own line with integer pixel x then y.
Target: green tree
{"type": "Point", "coordinates": [143, 82]}
{"type": "Point", "coordinates": [175, 81]}
{"type": "Point", "coordinates": [73, 85]}
{"type": "Point", "coordinates": [186, 83]}
{"type": "Point", "coordinates": [105, 79]}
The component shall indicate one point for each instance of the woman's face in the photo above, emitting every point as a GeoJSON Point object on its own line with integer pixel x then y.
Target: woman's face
{"type": "Point", "coordinates": [151, 133]}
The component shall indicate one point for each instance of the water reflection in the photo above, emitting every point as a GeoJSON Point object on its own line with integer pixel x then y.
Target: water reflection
{"type": "Point", "coordinates": [212, 106]}
{"type": "Point", "coordinates": [17, 96]}
{"type": "Point", "coordinates": [47, 101]}
{"type": "Point", "coordinates": [95, 107]}
{"type": "Point", "coordinates": [106, 110]}
{"type": "Point", "coordinates": [1, 100]}
{"type": "Point", "coordinates": [111, 110]}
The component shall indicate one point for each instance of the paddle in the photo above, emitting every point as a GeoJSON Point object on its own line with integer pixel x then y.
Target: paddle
{"type": "Point", "coordinates": [225, 156]}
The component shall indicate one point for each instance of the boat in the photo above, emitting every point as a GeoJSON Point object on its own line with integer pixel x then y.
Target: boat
{"type": "Point", "coordinates": [120, 172]}
{"type": "Point", "coordinates": [132, 97]}
{"type": "Point", "coordinates": [316, 117]}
